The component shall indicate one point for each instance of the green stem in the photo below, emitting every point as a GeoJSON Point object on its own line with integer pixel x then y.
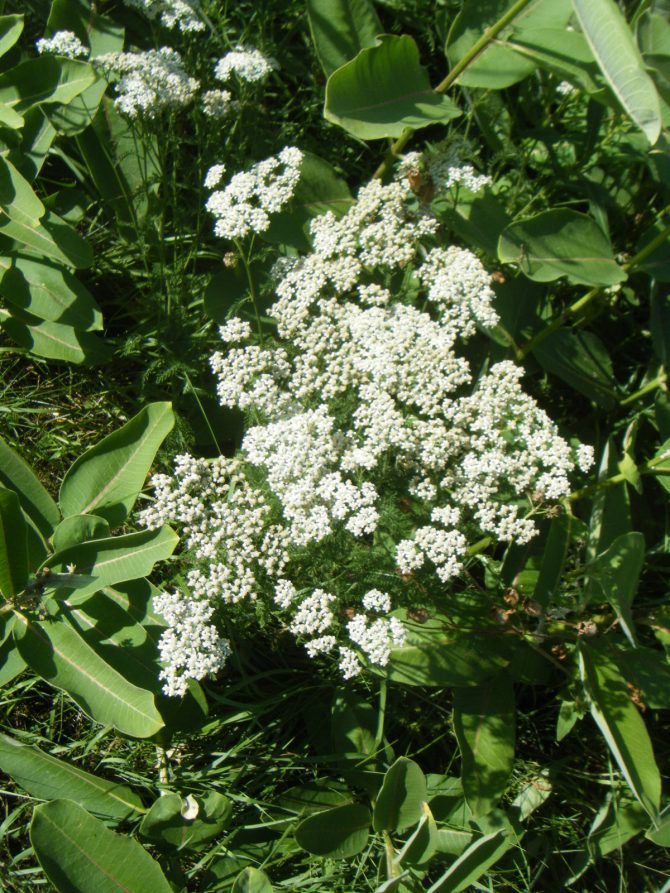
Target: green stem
{"type": "Point", "coordinates": [252, 286]}
{"type": "Point", "coordinates": [649, 467]}
{"type": "Point", "coordinates": [474, 51]}
{"type": "Point", "coordinates": [578, 306]}
{"type": "Point", "coordinates": [658, 382]}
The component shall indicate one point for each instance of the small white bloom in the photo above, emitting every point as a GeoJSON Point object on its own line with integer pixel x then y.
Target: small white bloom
{"type": "Point", "coordinates": [247, 202]}
{"type": "Point", "coordinates": [63, 43]}
{"type": "Point", "coordinates": [246, 63]}
{"type": "Point", "coordinates": [374, 600]}
{"type": "Point", "coordinates": [235, 329]}
{"type": "Point", "coordinates": [217, 103]}
{"type": "Point", "coordinates": [350, 665]}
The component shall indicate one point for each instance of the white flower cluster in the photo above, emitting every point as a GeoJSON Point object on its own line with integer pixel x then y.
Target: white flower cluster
{"type": "Point", "coordinates": [246, 64]}
{"type": "Point", "coordinates": [250, 197]}
{"type": "Point", "coordinates": [217, 103]}
{"type": "Point", "coordinates": [191, 647]}
{"type": "Point", "coordinates": [182, 14]}
{"type": "Point", "coordinates": [477, 456]}
{"type": "Point", "coordinates": [361, 385]}
{"type": "Point", "coordinates": [443, 167]}
{"type": "Point", "coordinates": [63, 43]}
{"type": "Point", "coordinates": [148, 82]}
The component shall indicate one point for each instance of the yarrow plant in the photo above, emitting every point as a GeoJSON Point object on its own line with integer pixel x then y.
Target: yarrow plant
{"type": "Point", "coordinates": [148, 82]}
{"type": "Point", "coordinates": [369, 432]}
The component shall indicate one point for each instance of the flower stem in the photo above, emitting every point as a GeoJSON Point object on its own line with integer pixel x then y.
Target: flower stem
{"type": "Point", "coordinates": [649, 467]}
{"type": "Point", "coordinates": [658, 382]}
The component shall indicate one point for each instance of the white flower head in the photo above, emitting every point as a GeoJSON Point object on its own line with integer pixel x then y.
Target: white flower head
{"type": "Point", "coordinates": [63, 43]}
{"type": "Point", "coordinates": [245, 63]}
{"type": "Point", "coordinates": [148, 82]}
{"type": "Point", "coordinates": [246, 203]}
{"type": "Point", "coordinates": [217, 103]}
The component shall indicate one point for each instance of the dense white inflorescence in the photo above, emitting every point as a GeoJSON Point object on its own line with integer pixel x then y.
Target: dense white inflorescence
{"type": "Point", "coordinates": [246, 64]}
{"type": "Point", "coordinates": [365, 379]}
{"type": "Point", "coordinates": [443, 168]}
{"type": "Point", "coordinates": [182, 14]}
{"type": "Point", "coordinates": [148, 82]}
{"type": "Point", "coordinates": [63, 43]}
{"type": "Point", "coordinates": [246, 203]}
{"type": "Point", "coordinates": [217, 103]}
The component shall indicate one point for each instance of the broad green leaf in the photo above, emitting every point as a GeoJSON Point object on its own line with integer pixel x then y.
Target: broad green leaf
{"type": "Point", "coordinates": [44, 79]}
{"type": "Point", "coordinates": [581, 360]}
{"type": "Point", "coordinates": [124, 632]}
{"type": "Point", "coordinates": [54, 340]}
{"type": "Point", "coordinates": [465, 661]}
{"type": "Point", "coordinates": [108, 478]}
{"type": "Point", "coordinates": [314, 797]}
{"type": "Point", "coordinates": [52, 238]}
{"type": "Point", "coordinates": [79, 529]}
{"type": "Point", "coordinates": [616, 572]}
{"type": "Point", "coordinates": [568, 715]}
{"type": "Point", "coordinates": [49, 778]}
{"type": "Point", "coordinates": [421, 845]}
{"type": "Point", "coordinates": [385, 90]}
{"type": "Point", "coordinates": [553, 559]}
{"type": "Point", "coordinates": [620, 724]}
{"type": "Point", "coordinates": [478, 219]}
{"type": "Point", "coordinates": [14, 568]}
{"type": "Point", "coordinates": [10, 118]}
{"type": "Point", "coordinates": [123, 164]}
{"type": "Point", "coordinates": [497, 66]}
{"type": "Point", "coordinates": [251, 880]}
{"type": "Point", "coordinates": [610, 515]}
{"type": "Point", "coordinates": [17, 475]}
{"type": "Point", "coordinates": [10, 30]}
{"type": "Point", "coordinates": [102, 35]}
{"type": "Point", "coordinates": [177, 824]}
{"type": "Point", "coordinates": [565, 53]}
{"type": "Point", "coordinates": [353, 725]}
{"type": "Point", "coordinates": [18, 202]}
{"type": "Point", "coordinates": [484, 722]}
{"type": "Point", "coordinates": [614, 825]}
{"type": "Point", "coordinates": [11, 662]}
{"type": "Point", "coordinates": [401, 797]}
{"type": "Point", "coordinates": [560, 242]}
{"type": "Point", "coordinates": [660, 835]}
{"type": "Point", "coordinates": [37, 137]}
{"type": "Point", "coordinates": [79, 855]}
{"type": "Point", "coordinates": [649, 671]}
{"type": "Point", "coordinates": [620, 61]}
{"type": "Point", "coordinates": [55, 651]}
{"type": "Point", "coordinates": [482, 853]}
{"type": "Point", "coordinates": [116, 558]}
{"type": "Point", "coordinates": [338, 833]}
{"type": "Point", "coordinates": [340, 29]}
{"type": "Point", "coordinates": [49, 292]}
